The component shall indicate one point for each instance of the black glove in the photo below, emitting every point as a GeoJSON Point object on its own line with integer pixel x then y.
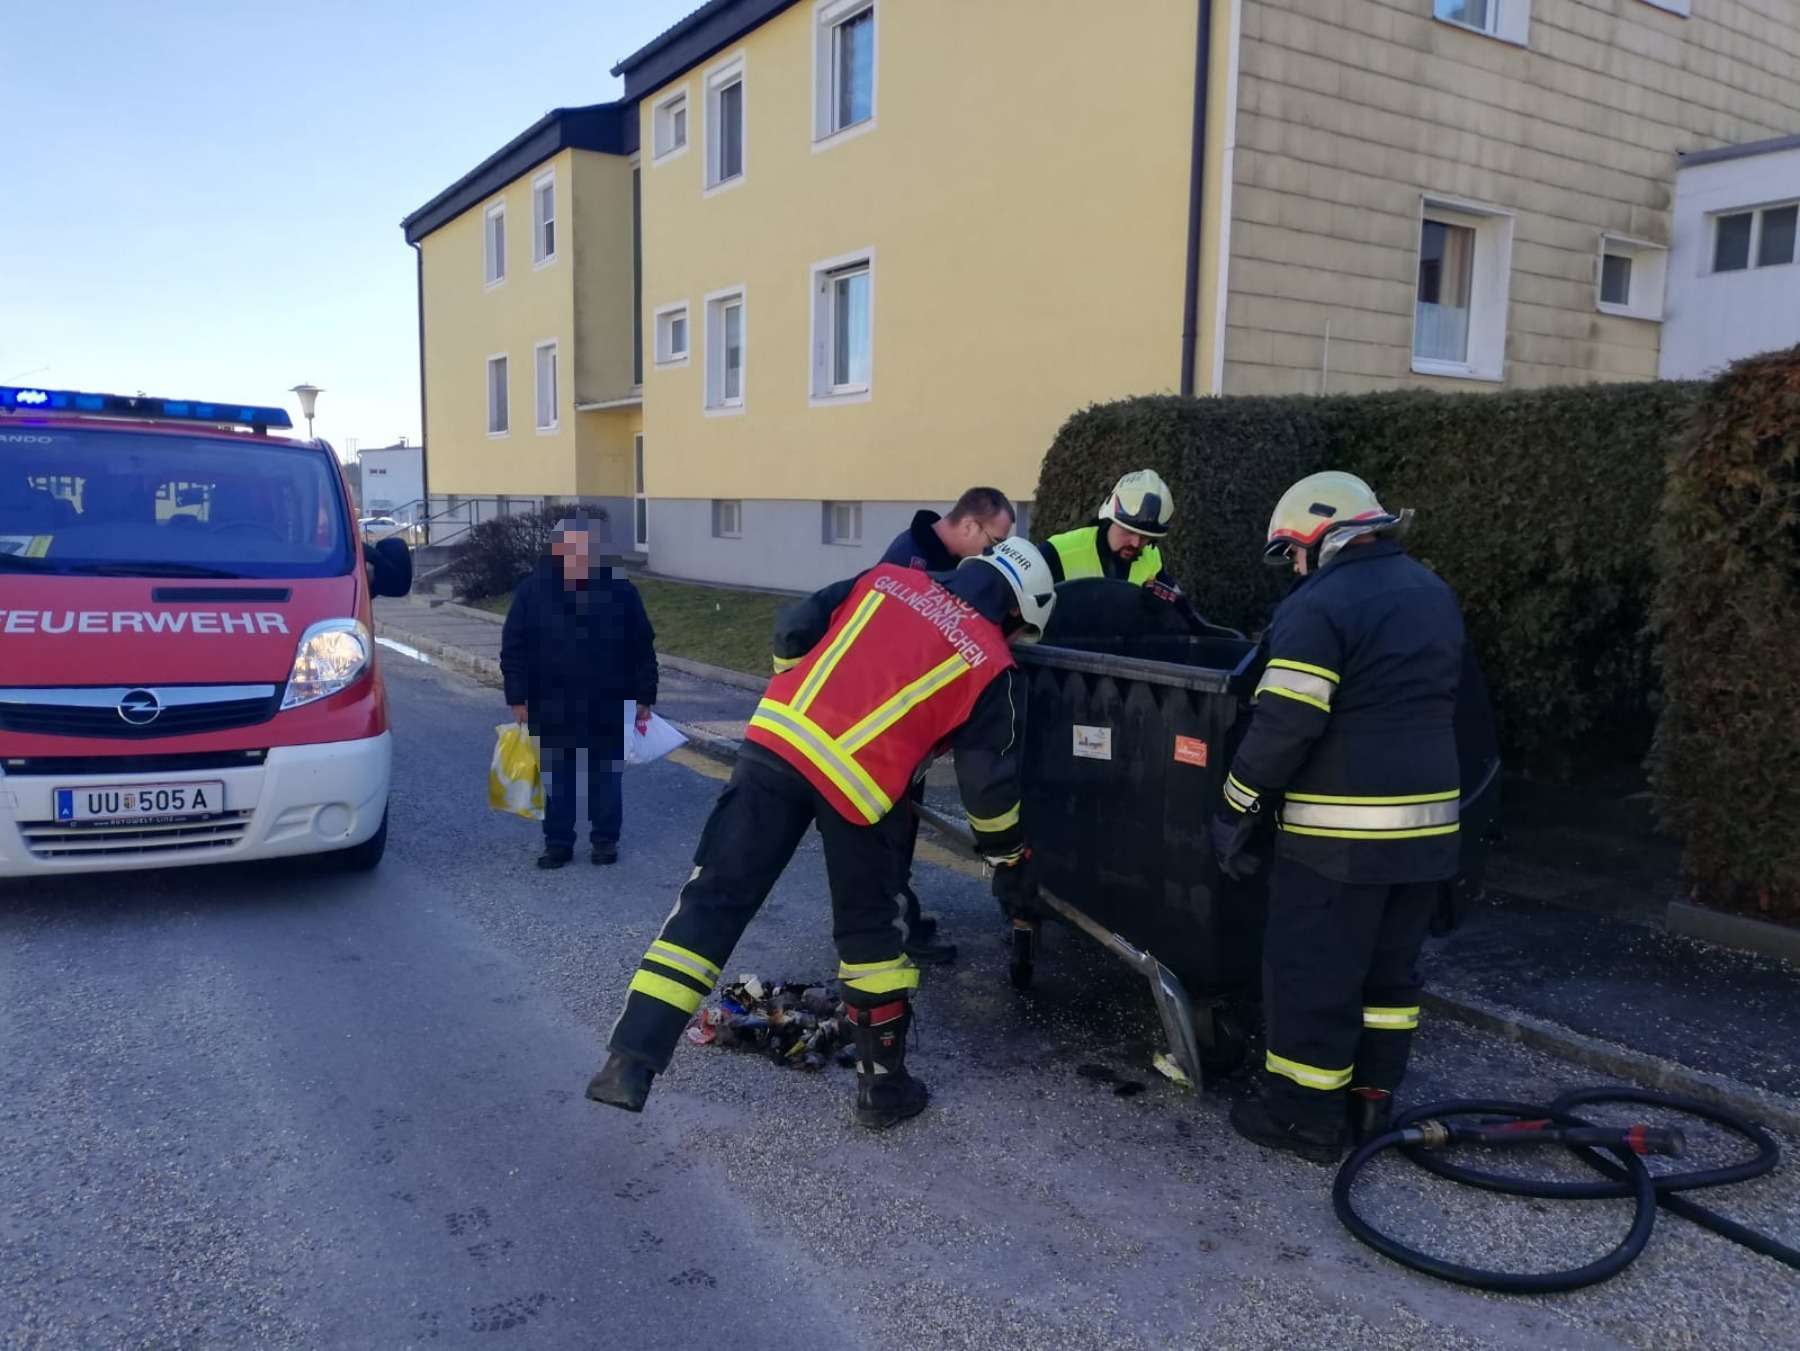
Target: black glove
{"type": "Point", "coordinates": [1015, 887]}
{"type": "Point", "coordinates": [1232, 832]}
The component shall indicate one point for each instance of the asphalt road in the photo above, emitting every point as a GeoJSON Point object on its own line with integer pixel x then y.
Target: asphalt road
{"type": "Point", "coordinates": [269, 1107]}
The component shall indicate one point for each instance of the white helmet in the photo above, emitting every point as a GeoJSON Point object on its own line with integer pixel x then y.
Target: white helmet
{"type": "Point", "coordinates": [1026, 572]}
{"type": "Point", "coordinates": [1142, 503]}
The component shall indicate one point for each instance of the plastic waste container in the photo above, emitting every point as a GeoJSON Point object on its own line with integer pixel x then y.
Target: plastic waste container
{"type": "Point", "coordinates": [1132, 718]}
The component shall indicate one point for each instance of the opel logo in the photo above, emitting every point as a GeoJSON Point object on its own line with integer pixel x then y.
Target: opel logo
{"type": "Point", "coordinates": [140, 708]}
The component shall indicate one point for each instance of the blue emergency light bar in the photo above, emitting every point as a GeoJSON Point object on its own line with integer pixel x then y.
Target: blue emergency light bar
{"type": "Point", "coordinates": [27, 399]}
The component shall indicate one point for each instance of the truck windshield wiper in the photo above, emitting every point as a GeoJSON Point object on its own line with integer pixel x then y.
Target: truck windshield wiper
{"type": "Point", "coordinates": [148, 569]}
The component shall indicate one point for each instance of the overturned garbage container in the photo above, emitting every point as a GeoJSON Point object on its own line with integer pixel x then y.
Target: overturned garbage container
{"type": "Point", "coordinates": [1133, 715]}
{"type": "Point", "coordinates": [1130, 726]}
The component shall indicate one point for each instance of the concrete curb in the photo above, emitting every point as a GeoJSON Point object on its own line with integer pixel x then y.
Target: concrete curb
{"type": "Point", "coordinates": [1603, 1056]}
{"type": "Point", "coordinates": [1743, 932]}
{"type": "Point", "coordinates": [719, 675]}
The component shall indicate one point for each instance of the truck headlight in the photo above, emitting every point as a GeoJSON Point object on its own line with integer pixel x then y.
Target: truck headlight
{"type": "Point", "coordinates": [333, 654]}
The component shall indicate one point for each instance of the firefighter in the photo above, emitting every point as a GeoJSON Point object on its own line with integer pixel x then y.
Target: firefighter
{"type": "Point", "coordinates": [1121, 540]}
{"type": "Point", "coordinates": [978, 520]}
{"type": "Point", "coordinates": [1351, 751]}
{"type": "Point", "coordinates": [891, 666]}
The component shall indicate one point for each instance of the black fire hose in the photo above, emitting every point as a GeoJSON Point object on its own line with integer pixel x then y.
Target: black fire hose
{"type": "Point", "coordinates": [1615, 1151]}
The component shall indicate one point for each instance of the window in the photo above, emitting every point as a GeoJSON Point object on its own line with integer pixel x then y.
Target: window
{"type": "Point", "coordinates": [842, 522]}
{"type": "Point", "coordinates": [672, 335]}
{"type": "Point", "coordinates": [1459, 315]}
{"type": "Point", "coordinates": [843, 293]}
{"type": "Point", "coordinates": [494, 233]}
{"type": "Point", "coordinates": [1631, 277]}
{"type": "Point", "coordinates": [545, 353]}
{"type": "Point", "coordinates": [669, 127]}
{"type": "Point", "coordinates": [725, 124]}
{"type": "Point", "coordinates": [843, 67]}
{"type": "Point", "coordinates": [543, 219]}
{"type": "Point", "coordinates": [496, 396]}
{"type": "Point", "coordinates": [640, 501]}
{"type": "Point", "coordinates": [728, 519]}
{"type": "Point", "coordinates": [1508, 20]}
{"type": "Point", "coordinates": [725, 351]}
{"type": "Point", "coordinates": [1763, 238]}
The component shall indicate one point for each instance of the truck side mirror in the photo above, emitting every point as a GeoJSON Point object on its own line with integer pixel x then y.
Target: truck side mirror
{"type": "Point", "coordinates": [390, 567]}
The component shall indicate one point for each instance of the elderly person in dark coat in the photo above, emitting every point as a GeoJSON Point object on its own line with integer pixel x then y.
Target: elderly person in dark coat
{"type": "Point", "coordinates": [577, 644]}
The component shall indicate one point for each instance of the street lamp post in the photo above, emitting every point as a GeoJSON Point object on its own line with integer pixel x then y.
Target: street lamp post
{"type": "Point", "coordinates": [308, 396]}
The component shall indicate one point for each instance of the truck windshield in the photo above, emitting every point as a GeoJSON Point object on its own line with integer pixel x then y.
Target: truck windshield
{"type": "Point", "coordinates": [89, 500]}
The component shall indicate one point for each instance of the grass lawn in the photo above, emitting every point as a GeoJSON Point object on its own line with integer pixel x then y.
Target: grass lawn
{"type": "Point", "coordinates": [704, 623]}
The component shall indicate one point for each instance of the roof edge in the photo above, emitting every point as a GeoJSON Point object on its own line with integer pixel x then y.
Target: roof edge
{"type": "Point", "coordinates": [1770, 146]}
{"type": "Point", "coordinates": [687, 43]}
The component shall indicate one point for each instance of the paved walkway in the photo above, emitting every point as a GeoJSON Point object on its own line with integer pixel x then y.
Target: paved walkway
{"type": "Point", "coordinates": [1618, 994]}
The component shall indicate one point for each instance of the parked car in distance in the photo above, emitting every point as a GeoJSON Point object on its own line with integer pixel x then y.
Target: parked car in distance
{"type": "Point", "coordinates": [384, 527]}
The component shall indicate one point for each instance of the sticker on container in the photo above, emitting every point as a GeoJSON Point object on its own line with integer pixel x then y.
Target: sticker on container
{"type": "Point", "coordinates": [1190, 750]}
{"type": "Point", "coordinates": [1093, 743]}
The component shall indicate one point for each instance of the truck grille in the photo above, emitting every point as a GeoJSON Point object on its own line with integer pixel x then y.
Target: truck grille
{"type": "Point", "coordinates": [129, 712]}
{"type": "Point", "coordinates": [50, 841]}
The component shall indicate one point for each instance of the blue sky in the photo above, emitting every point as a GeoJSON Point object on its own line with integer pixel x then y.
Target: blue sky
{"type": "Point", "coordinates": [204, 199]}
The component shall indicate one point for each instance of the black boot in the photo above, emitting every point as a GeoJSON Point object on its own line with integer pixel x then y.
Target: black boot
{"type": "Point", "coordinates": [1371, 1113]}
{"type": "Point", "coordinates": [921, 935]}
{"type": "Point", "coordinates": [605, 855]}
{"type": "Point", "coordinates": [885, 1093]}
{"type": "Point", "coordinates": [1253, 1120]}
{"type": "Point", "coordinates": [555, 855]}
{"type": "Point", "coordinates": [623, 1081]}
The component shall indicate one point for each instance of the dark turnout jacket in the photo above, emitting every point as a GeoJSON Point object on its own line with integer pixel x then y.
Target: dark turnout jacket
{"type": "Point", "coordinates": [918, 546]}
{"type": "Point", "coordinates": [573, 656]}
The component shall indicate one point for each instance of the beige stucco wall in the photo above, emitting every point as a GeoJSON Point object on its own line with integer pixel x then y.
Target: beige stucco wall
{"type": "Point", "coordinates": [601, 238]}
{"type": "Point", "coordinates": [1024, 190]}
{"type": "Point", "coordinates": [1350, 110]}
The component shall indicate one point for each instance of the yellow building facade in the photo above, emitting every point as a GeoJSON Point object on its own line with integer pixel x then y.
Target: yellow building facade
{"type": "Point", "coordinates": [833, 261]}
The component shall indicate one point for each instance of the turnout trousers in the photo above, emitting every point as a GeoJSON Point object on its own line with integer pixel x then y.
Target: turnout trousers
{"type": "Point", "coordinates": [755, 826]}
{"type": "Point", "coordinates": [1340, 989]}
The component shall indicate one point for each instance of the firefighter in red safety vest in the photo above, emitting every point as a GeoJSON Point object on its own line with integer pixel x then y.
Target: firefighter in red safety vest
{"type": "Point", "coordinates": [887, 669]}
{"type": "Point", "coordinates": [1352, 751]}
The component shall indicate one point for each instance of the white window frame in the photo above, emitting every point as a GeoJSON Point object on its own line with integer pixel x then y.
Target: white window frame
{"type": "Point", "coordinates": [663, 356]}
{"type": "Point", "coordinates": [493, 261]}
{"type": "Point", "coordinates": [1756, 214]}
{"type": "Point", "coordinates": [725, 73]}
{"type": "Point", "coordinates": [721, 507]}
{"type": "Point", "coordinates": [540, 257]}
{"type": "Point", "coordinates": [828, 533]}
{"type": "Point", "coordinates": [712, 388]}
{"type": "Point", "coordinates": [537, 388]}
{"type": "Point", "coordinates": [1490, 287]}
{"type": "Point", "coordinates": [821, 347]}
{"type": "Point", "coordinates": [1649, 277]}
{"type": "Point", "coordinates": [662, 126]}
{"type": "Point", "coordinates": [828, 15]}
{"type": "Point", "coordinates": [1511, 21]}
{"type": "Point", "coordinates": [505, 428]}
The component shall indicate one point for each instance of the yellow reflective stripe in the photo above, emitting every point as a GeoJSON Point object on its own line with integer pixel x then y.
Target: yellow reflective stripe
{"type": "Point", "coordinates": [1370, 834]}
{"type": "Point", "coordinates": [1238, 795]}
{"type": "Point", "coordinates": [1340, 816]}
{"type": "Point", "coordinates": [1375, 801]}
{"type": "Point", "coordinates": [1311, 689]}
{"type": "Point", "coordinates": [901, 703]}
{"type": "Point", "coordinates": [864, 968]}
{"type": "Point", "coordinates": [38, 546]}
{"type": "Point", "coordinates": [1399, 1020]}
{"type": "Point", "coordinates": [885, 982]}
{"type": "Point", "coordinates": [1319, 704]}
{"type": "Point", "coordinates": [807, 737]}
{"type": "Point", "coordinates": [1289, 665]}
{"type": "Point", "coordinates": [682, 960]}
{"type": "Point", "coordinates": [815, 678]}
{"type": "Point", "coordinates": [783, 663]}
{"type": "Point", "coordinates": [668, 991]}
{"type": "Point", "coordinates": [993, 825]}
{"type": "Point", "coordinates": [1308, 1076]}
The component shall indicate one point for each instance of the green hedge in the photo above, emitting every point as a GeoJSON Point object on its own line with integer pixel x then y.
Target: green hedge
{"type": "Point", "coordinates": [1536, 506]}
{"type": "Point", "coordinates": [1727, 761]}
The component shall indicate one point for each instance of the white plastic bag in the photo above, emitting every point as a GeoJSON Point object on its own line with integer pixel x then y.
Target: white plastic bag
{"type": "Point", "coordinates": [655, 741]}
